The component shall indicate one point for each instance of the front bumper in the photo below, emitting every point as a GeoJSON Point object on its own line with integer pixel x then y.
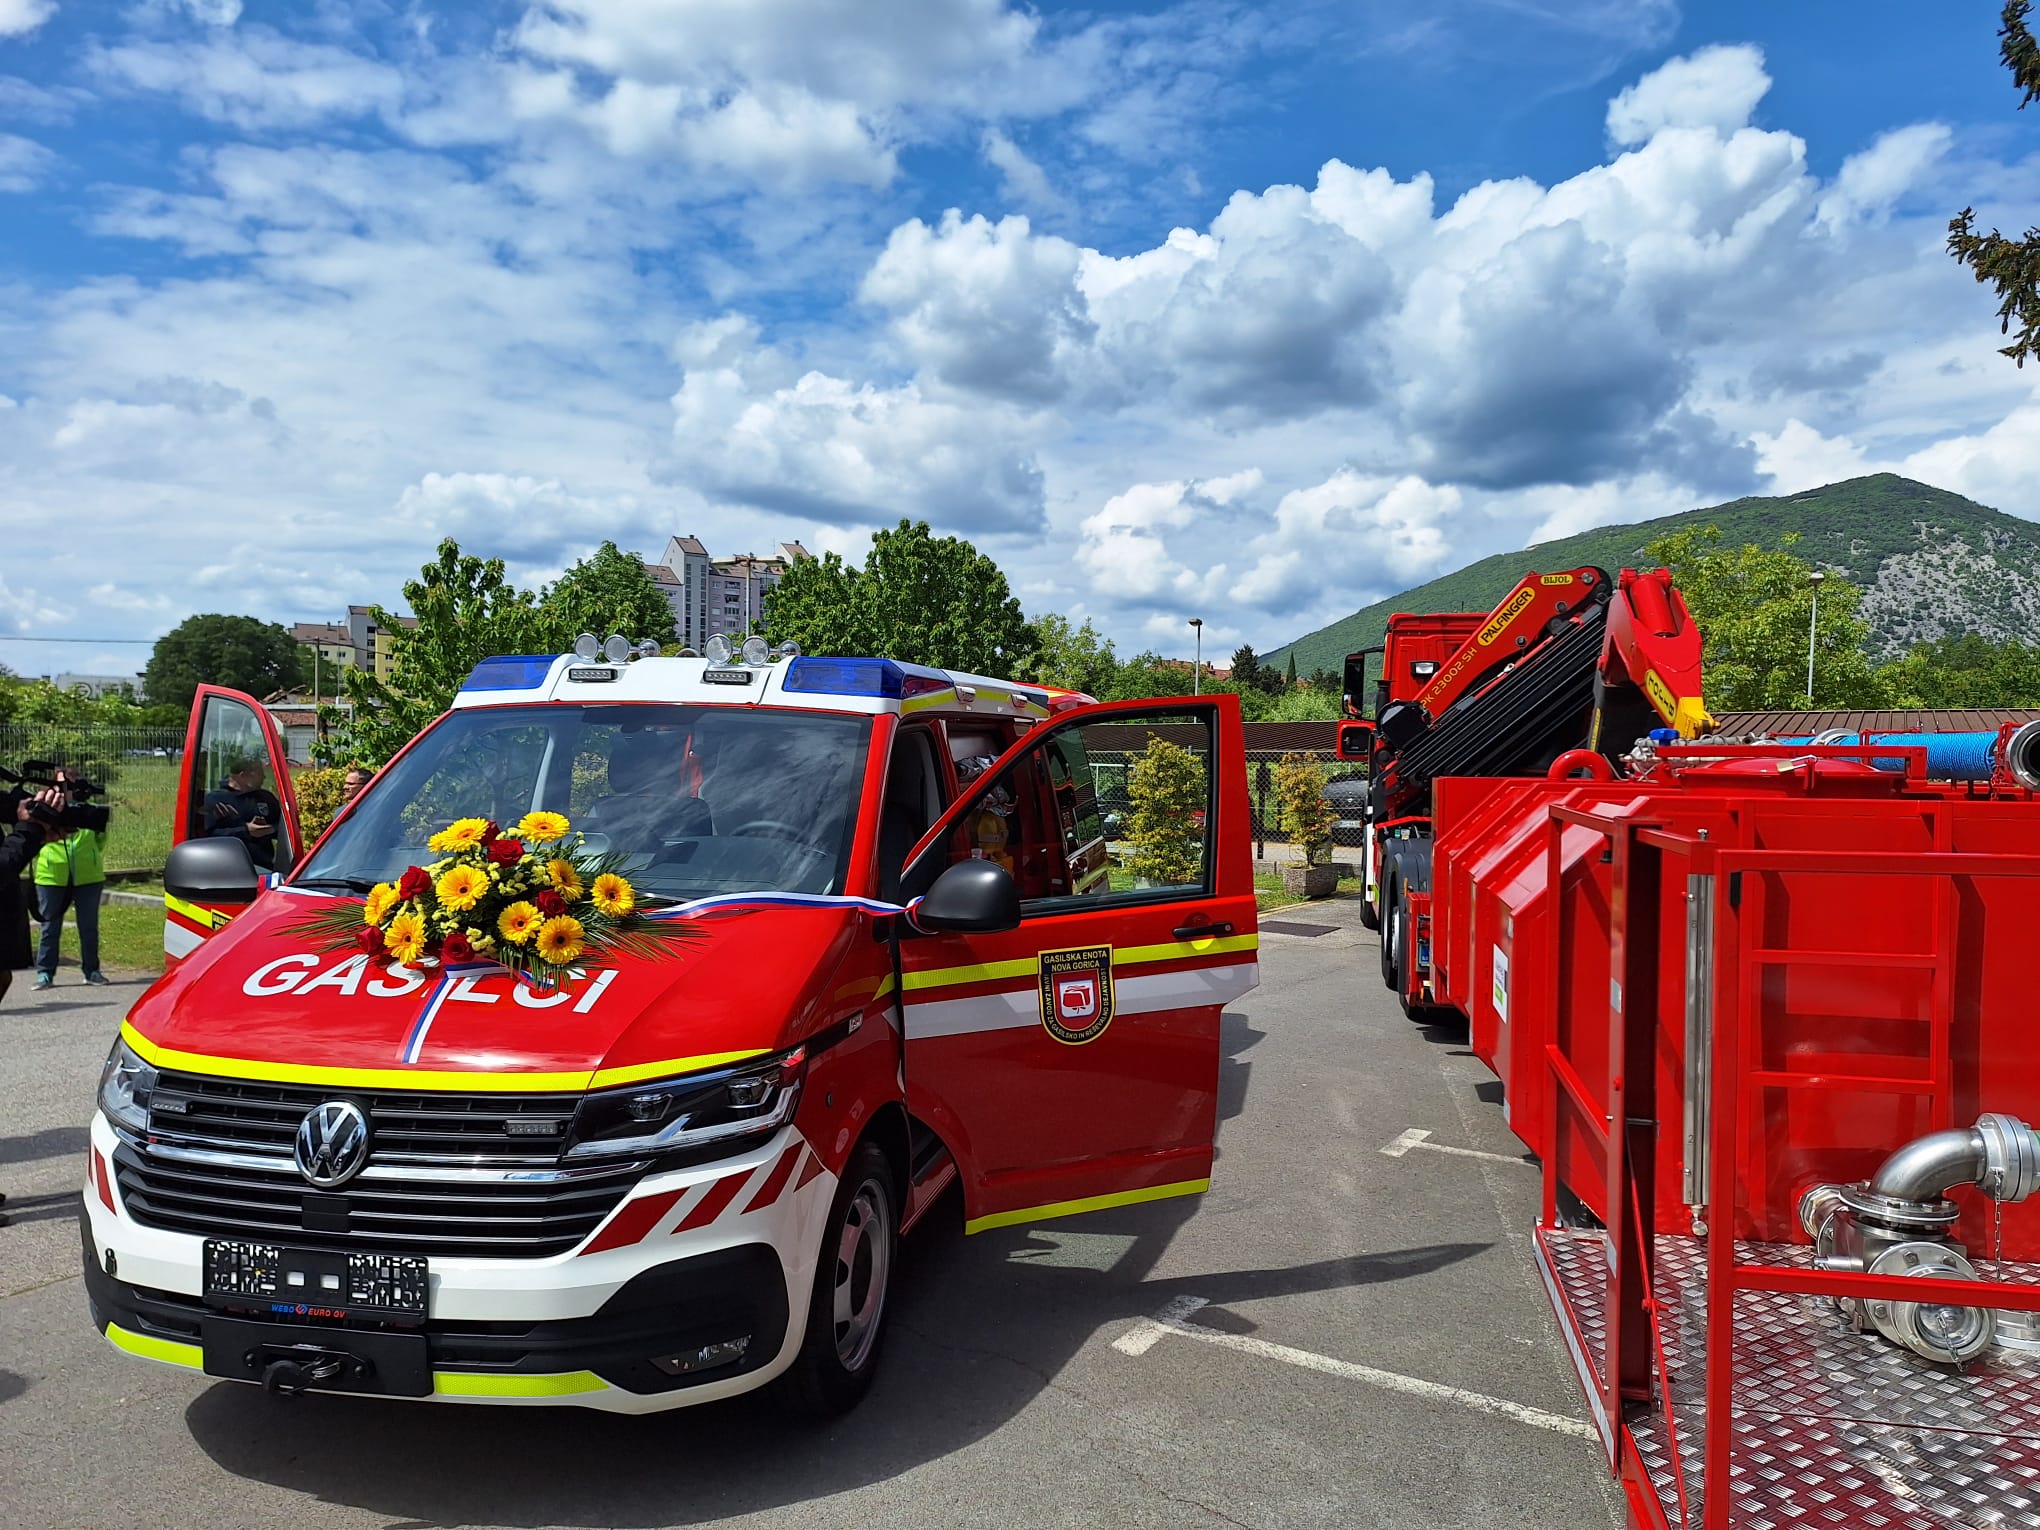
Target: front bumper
{"type": "Point", "coordinates": [689, 1259]}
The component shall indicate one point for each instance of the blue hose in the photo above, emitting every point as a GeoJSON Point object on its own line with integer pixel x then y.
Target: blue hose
{"type": "Point", "coordinates": [1950, 756]}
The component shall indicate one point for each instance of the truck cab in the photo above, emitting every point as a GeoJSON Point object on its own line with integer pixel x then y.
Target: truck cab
{"type": "Point", "coordinates": [916, 959]}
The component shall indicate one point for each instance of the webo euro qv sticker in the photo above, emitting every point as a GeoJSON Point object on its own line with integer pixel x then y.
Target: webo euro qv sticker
{"type": "Point", "coordinates": [1076, 993]}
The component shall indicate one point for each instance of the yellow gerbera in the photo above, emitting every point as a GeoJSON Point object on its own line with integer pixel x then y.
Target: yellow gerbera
{"type": "Point", "coordinates": [559, 940]}
{"type": "Point", "coordinates": [404, 940]}
{"type": "Point", "coordinates": [566, 880]}
{"type": "Point", "coordinates": [462, 887]}
{"type": "Point", "coordinates": [461, 834]}
{"type": "Point", "coordinates": [381, 899]}
{"type": "Point", "coordinates": [541, 827]}
{"type": "Point", "coordinates": [517, 923]}
{"type": "Point", "coordinates": [613, 895]}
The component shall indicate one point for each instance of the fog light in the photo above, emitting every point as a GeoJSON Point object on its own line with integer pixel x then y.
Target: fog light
{"type": "Point", "coordinates": [648, 1107]}
{"type": "Point", "coordinates": [706, 1358]}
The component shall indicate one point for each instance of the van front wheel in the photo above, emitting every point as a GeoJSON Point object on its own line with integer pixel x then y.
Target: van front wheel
{"type": "Point", "coordinates": [846, 1312]}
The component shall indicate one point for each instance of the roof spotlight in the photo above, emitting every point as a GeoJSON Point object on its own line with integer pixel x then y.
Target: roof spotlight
{"type": "Point", "coordinates": [757, 651]}
{"type": "Point", "coordinates": [587, 646]}
{"type": "Point", "coordinates": [789, 650]}
{"type": "Point", "coordinates": [717, 649]}
{"type": "Point", "coordinates": [617, 648]}
{"type": "Point", "coordinates": [648, 649]}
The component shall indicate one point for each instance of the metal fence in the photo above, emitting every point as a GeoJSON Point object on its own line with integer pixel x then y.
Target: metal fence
{"type": "Point", "coordinates": [139, 768]}
{"type": "Point", "coordinates": [1344, 787]}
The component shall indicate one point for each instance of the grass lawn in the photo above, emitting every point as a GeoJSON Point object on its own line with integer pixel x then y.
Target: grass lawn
{"type": "Point", "coordinates": [143, 797]}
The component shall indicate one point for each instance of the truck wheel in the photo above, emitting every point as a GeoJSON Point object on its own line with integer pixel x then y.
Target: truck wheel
{"type": "Point", "coordinates": [846, 1312]}
{"type": "Point", "coordinates": [1391, 922]}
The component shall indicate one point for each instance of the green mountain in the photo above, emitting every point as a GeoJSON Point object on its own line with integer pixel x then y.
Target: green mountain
{"type": "Point", "coordinates": [1929, 562]}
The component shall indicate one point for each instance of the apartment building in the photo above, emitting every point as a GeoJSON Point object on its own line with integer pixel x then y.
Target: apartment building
{"type": "Point", "coordinates": [712, 595]}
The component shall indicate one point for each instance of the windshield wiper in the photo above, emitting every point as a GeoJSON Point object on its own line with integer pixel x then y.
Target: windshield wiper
{"type": "Point", "coordinates": [351, 884]}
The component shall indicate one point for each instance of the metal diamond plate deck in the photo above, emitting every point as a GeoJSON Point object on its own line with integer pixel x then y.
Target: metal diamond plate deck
{"type": "Point", "coordinates": [1831, 1428]}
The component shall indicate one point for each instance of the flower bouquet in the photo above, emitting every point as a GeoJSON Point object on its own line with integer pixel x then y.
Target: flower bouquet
{"type": "Point", "coordinates": [531, 898]}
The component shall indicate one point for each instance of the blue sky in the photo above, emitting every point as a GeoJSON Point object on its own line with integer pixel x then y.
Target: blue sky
{"type": "Point", "coordinates": [1253, 312]}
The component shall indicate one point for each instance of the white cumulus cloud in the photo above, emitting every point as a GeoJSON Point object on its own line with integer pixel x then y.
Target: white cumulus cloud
{"type": "Point", "coordinates": [1717, 88]}
{"type": "Point", "coordinates": [20, 17]}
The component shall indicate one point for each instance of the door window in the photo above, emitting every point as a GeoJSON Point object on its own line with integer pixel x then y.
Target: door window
{"type": "Point", "coordinates": [1118, 810]}
{"type": "Point", "coordinates": [913, 801]}
{"type": "Point", "coordinates": [231, 791]}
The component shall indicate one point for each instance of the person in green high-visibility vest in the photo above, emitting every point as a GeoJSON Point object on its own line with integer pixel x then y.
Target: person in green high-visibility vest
{"type": "Point", "coordinates": [70, 873]}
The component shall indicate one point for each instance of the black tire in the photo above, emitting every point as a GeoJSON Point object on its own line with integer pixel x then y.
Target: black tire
{"type": "Point", "coordinates": [860, 1244]}
{"type": "Point", "coordinates": [1391, 894]}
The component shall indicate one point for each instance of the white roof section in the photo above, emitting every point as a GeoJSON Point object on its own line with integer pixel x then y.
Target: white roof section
{"type": "Point", "coordinates": [833, 685]}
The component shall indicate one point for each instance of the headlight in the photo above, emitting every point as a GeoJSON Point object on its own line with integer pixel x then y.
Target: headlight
{"type": "Point", "coordinates": [681, 1114]}
{"type": "Point", "coordinates": [124, 1086]}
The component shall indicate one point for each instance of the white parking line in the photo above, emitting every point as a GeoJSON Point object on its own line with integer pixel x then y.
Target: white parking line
{"type": "Point", "coordinates": [1174, 1319]}
{"type": "Point", "coordinates": [1417, 1137]}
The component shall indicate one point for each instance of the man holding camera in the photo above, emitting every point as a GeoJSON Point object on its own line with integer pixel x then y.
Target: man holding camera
{"type": "Point", "coordinates": [34, 817]}
{"type": "Point", "coordinates": [70, 872]}
{"type": "Point", "coordinates": [242, 810]}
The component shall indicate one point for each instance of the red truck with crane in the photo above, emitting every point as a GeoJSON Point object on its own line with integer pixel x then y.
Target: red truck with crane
{"type": "Point", "coordinates": [1760, 1008]}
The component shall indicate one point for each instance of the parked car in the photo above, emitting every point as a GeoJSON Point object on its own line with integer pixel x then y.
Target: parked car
{"type": "Point", "coordinates": [1348, 797]}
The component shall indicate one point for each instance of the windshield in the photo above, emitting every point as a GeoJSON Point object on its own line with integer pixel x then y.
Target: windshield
{"type": "Point", "coordinates": [703, 800]}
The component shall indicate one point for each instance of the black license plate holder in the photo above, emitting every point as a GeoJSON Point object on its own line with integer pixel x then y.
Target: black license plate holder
{"type": "Point", "coordinates": [380, 1364]}
{"type": "Point", "coordinates": [314, 1284]}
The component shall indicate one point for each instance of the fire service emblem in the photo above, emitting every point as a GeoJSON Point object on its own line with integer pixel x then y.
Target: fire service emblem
{"type": "Point", "coordinates": [1076, 993]}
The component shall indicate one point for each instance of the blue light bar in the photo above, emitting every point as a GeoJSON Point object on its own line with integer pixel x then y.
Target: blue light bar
{"type": "Point", "coordinates": [508, 672]}
{"type": "Point", "coordinates": [844, 677]}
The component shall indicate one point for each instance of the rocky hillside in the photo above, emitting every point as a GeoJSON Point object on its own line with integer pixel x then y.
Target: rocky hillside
{"type": "Point", "coordinates": [1929, 562]}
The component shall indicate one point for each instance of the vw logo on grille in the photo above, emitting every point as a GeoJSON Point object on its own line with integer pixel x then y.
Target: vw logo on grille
{"type": "Point", "coordinates": [332, 1143]}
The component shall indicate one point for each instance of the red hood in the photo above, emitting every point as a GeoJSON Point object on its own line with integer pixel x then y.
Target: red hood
{"type": "Point", "coordinates": [259, 1000]}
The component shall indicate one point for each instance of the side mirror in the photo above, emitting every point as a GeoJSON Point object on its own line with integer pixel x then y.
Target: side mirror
{"type": "Point", "coordinates": [970, 898]}
{"type": "Point", "coordinates": [1356, 741]}
{"type": "Point", "coordinates": [211, 871]}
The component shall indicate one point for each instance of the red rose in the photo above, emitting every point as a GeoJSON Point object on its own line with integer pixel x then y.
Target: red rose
{"type": "Point", "coordinates": [550, 903]}
{"type": "Point", "coordinates": [414, 883]}
{"type": "Point", "coordinates": [490, 832]}
{"type": "Point", "coordinates": [504, 852]}
{"type": "Point", "coordinates": [457, 949]}
{"type": "Point", "coordinates": [370, 939]}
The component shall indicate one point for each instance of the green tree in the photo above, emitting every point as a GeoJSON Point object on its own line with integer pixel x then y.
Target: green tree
{"type": "Point", "coordinates": [919, 598]}
{"type": "Point", "coordinates": [239, 652]}
{"type": "Point", "coordinates": [1166, 790]}
{"type": "Point", "coordinates": [467, 609]}
{"type": "Point", "coordinates": [1147, 674]}
{"type": "Point", "coordinates": [1289, 679]}
{"type": "Point", "coordinates": [608, 591]}
{"type": "Point", "coordinates": [1246, 667]}
{"type": "Point", "coordinates": [2012, 266]}
{"type": "Point", "coordinates": [1966, 670]}
{"type": "Point", "coordinates": [1070, 658]}
{"type": "Point", "coordinates": [1301, 811]}
{"type": "Point", "coordinates": [1754, 608]}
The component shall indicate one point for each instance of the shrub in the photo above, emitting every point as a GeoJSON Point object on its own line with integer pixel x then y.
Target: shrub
{"type": "Point", "coordinates": [1301, 810]}
{"type": "Point", "coordinates": [319, 789]}
{"type": "Point", "coordinates": [1166, 790]}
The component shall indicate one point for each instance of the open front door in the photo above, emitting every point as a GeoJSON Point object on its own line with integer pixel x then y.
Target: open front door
{"type": "Point", "coordinates": [1072, 1063]}
{"type": "Point", "coordinates": [235, 783]}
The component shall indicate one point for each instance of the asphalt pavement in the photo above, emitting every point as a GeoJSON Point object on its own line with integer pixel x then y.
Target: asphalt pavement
{"type": "Point", "coordinates": [1335, 1336]}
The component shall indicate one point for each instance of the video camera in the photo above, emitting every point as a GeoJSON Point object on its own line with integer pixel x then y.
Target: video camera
{"type": "Point", "coordinates": [78, 810]}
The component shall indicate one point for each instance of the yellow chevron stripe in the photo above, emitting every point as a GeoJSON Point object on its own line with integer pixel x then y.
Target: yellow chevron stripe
{"type": "Point", "coordinates": [1129, 956]}
{"type": "Point", "coordinates": [205, 916]}
{"type": "Point", "coordinates": [169, 1351]}
{"type": "Point", "coordinates": [509, 1384]}
{"type": "Point", "coordinates": [416, 1078]}
{"type": "Point", "coordinates": [1088, 1203]}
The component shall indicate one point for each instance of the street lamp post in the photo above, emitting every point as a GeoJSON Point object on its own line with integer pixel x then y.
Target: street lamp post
{"type": "Point", "coordinates": [1812, 630]}
{"type": "Point", "coordinates": [1197, 672]}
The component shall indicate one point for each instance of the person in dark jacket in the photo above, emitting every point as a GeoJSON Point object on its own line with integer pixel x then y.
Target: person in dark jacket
{"type": "Point", "coordinates": [17, 853]}
{"type": "Point", "coordinates": [241, 809]}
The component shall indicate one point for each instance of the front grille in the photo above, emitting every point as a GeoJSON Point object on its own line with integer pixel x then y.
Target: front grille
{"type": "Point", "coordinates": [217, 1162]}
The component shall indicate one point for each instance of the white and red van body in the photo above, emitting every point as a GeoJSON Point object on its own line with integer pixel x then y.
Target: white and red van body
{"type": "Point", "coordinates": [672, 1179]}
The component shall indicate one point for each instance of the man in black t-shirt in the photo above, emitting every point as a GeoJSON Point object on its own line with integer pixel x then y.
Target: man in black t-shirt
{"type": "Point", "coordinates": [241, 809]}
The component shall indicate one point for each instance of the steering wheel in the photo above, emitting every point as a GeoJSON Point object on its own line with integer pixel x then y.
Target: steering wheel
{"type": "Point", "coordinates": [772, 828]}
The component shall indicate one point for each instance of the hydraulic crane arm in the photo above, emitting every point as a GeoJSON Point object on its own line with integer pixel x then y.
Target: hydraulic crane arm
{"type": "Point", "coordinates": [1650, 662]}
{"type": "Point", "coordinates": [1522, 620]}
